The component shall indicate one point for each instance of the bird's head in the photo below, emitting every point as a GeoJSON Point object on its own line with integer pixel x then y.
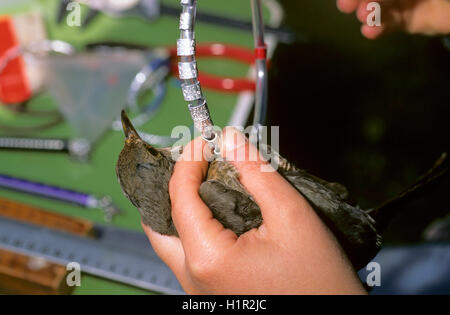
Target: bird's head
{"type": "Point", "coordinates": [137, 149]}
{"type": "Point", "coordinates": [144, 173]}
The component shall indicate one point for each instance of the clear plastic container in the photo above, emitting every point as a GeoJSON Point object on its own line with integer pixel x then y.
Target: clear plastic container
{"type": "Point", "coordinates": [91, 88]}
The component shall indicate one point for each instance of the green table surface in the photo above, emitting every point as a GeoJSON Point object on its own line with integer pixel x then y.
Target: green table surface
{"type": "Point", "coordinates": [98, 175]}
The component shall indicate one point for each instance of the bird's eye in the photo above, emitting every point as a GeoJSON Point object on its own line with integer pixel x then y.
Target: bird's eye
{"type": "Point", "coordinates": [152, 151]}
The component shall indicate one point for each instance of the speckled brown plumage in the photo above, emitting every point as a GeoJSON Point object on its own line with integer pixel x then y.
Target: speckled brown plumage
{"type": "Point", "coordinates": [144, 173]}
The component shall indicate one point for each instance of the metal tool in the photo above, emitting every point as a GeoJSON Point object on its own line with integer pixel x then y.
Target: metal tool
{"type": "Point", "coordinates": [260, 109]}
{"type": "Point", "coordinates": [70, 196]}
{"type": "Point", "coordinates": [116, 254]}
{"type": "Point", "coordinates": [152, 9]}
{"type": "Point", "coordinates": [75, 147]}
{"type": "Point", "coordinates": [190, 85]}
{"type": "Point", "coordinates": [188, 73]}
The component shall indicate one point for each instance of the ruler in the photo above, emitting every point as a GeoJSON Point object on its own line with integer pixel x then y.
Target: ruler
{"type": "Point", "coordinates": [119, 255]}
{"type": "Point", "coordinates": [101, 250]}
{"type": "Point", "coordinates": [23, 274]}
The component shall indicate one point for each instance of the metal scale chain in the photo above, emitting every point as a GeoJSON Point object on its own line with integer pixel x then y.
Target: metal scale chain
{"type": "Point", "coordinates": [187, 68]}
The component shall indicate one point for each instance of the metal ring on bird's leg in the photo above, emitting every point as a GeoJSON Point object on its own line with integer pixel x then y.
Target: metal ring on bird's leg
{"type": "Point", "coordinates": [187, 68]}
{"type": "Point", "coordinates": [215, 143]}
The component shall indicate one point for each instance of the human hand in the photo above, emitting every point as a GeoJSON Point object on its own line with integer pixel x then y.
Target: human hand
{"type": "Point", "coordinates": [428, 17]}
{"type": "Point", "coordinates": [292, 252]}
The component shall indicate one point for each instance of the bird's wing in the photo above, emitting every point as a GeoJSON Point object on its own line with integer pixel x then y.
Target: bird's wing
{"type": "Point", "coordinates": [286, 168]}
{"type": "Point", "coordinates": [235, 210]}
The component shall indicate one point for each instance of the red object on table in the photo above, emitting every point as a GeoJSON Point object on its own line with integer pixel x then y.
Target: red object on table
{"type": "Point", "coordinates": [14, 85]}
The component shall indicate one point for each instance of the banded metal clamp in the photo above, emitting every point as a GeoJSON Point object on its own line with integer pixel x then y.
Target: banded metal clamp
{"type": "Point", "coordinates": [187, 68]}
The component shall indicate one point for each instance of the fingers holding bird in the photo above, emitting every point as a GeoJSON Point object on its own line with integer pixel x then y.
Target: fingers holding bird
{"type": "Point", "coordinates": [169, 249]}
{"type": "Point", "coordinates": [199, 231]}
{"type": "Point", "coordinates": [195, 223]}
{"type": "Point", "coordinates": [256, 175]}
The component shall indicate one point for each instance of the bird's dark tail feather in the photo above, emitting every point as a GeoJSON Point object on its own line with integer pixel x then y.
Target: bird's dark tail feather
{"type": "Point", "coordinates": [386, 211]}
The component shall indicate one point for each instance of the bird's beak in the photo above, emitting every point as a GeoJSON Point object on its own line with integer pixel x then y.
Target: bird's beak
{"type": "Point", "coordinates": [128, 128]}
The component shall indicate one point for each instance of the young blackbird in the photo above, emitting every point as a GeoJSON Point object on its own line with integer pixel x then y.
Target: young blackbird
{"type": "Point", "coordinates": [144, 173]}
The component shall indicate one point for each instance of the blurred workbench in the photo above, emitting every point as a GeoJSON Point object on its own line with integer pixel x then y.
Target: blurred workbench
{"type": "Point", "coordinates": [98, 176]}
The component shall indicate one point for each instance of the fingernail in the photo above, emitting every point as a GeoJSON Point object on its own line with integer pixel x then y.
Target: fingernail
{"type": "Point", "coordinates": [233, 144]}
